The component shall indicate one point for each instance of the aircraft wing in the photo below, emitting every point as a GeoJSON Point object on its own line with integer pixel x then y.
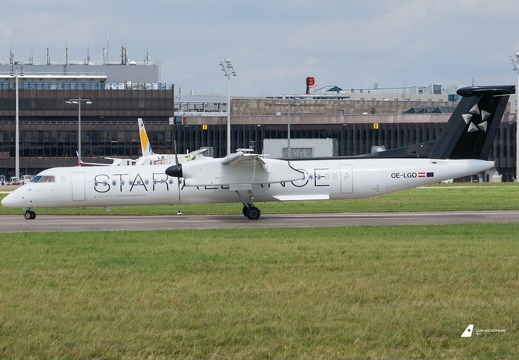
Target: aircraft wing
{"type": "Point", "coordinates": [246, 160]}
{"type": "Point", "coordinates": [239, 171]}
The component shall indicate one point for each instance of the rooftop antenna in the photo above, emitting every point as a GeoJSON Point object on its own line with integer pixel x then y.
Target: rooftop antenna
{"type": "Point", "coordinates": [31, 58]}
{"type": "Point", "coordinates": [88, 54]}
{"type": "Point", "coordinates": [48, 57]}
{"type": "Point", "coordinates": [124, 56]}
{"type": "Point", "coordinates": [105, 50]}
{"type": "Point", "coordinates": [514, 66]}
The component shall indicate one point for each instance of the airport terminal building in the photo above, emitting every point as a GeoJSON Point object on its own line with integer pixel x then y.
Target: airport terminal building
{"type": "Point", "coordinates": [120, 93]}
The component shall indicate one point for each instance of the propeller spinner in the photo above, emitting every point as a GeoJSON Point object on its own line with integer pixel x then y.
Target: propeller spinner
{"type": "Point", "coordinates": [175, 170]}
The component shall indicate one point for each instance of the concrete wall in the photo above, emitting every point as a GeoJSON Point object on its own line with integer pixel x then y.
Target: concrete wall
{"type": "Point", "coordinates": [114, 73]}
{"type": "Point", "coordinates": [300, 148]}
{"type": "Point", "coordinates": [272, 107]}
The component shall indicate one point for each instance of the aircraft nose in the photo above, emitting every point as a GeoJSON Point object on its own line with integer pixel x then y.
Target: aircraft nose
{"type": "Point", "coordinates": [13, 199]}
{"type": "Point", "coordinates": [8, 201]}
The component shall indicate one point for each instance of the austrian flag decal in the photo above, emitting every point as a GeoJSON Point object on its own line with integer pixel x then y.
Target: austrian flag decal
{"type": "Point", "coordinates": [423, 174]}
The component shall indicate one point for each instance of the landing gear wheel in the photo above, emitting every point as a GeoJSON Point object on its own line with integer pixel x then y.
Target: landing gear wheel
{"type": "Point", "coordinates": [249, 210]}
{"type": "Point", "coordinates": [30, 215]}
{"type": "Point", "coordinates": [253, 213]}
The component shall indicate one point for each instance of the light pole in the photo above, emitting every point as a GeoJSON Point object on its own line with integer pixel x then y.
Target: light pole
{"type": "Point", "coordinates": [17, 130]}
{"type": "Point", "coordinates": [289, 102]}
{"type": "Point", "coordinates": [517, 121]}
{"type": "Point", "coordinates": [289, 153]}
{"type": "Point", "coordinates": [516, 67]}
{"type": "Point", "coordinates": [78, 101]}
{"type": "Point", "coordinates": [228, 70]}
{"type": "Point", "coordinates": [295, 102]}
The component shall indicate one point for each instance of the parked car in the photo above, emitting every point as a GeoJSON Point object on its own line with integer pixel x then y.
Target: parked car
{"type": "Point", "coordinates": [2, 179]}
{"type": "Point", "coordinates": [24, 179]}
{"type": "Point", "coordinates": [14, 180]}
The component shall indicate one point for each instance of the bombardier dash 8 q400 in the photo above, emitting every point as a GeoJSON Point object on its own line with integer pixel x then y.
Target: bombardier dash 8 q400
{"type": "Point", "coordinates": [462, 149]}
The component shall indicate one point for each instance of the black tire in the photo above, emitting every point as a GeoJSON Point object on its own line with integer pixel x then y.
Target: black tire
{"type": "Point", "coordinates": [253, 213]}
{"type": "Point", "coordinates": [29, 215]}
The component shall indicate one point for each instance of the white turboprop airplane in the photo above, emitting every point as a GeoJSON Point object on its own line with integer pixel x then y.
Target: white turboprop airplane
{"type": "Point", "coordinates": [149, 157]}
{"type": "Point", "coordinates": [461, 150]}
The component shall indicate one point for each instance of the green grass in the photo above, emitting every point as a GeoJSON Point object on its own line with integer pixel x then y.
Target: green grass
{"type": "Point", "coordinates": [488, 196]}
{"type": "Point", "coordinates": [349, 292]}
{"type": "Point", "coordinates": [358, 292]}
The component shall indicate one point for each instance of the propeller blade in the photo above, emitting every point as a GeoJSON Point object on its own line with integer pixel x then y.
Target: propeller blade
{"type": "Point", "coordinates": [176, 170]}
{"type": "Point", "coordinates": [176, 155]}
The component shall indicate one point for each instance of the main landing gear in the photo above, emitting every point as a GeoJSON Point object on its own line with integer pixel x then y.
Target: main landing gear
{"type": "Point", "coordinates": [29, 214]}
{"type": "Point", "coordinates": [249, 210]}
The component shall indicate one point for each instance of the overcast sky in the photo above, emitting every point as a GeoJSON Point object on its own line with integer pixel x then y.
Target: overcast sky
{"type": "Point", "coordinates": [275, 45]}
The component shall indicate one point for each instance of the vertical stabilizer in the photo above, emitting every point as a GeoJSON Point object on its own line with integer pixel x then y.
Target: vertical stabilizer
{"type": "Point", "coordinates": [145, 143]}
{"type": "Point", "coordinates": [471, 129]}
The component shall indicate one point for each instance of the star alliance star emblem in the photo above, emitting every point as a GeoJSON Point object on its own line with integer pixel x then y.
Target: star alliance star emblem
{"type": "Point", "coordinates": [469, 121]}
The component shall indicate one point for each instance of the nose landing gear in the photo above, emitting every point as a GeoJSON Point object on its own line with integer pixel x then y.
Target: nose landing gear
{"type": "Point", "coordinates": [29, 215]}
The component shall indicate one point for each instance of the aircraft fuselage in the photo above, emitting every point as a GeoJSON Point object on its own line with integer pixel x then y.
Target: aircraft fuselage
{"type": "Point", "coordinates": [331, 179]}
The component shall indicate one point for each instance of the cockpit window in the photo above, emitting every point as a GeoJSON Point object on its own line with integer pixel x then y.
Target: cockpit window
{"type": "Point", "coordinates": [47, 178]}
{"type": "Point", "coordinates": [43, 179]}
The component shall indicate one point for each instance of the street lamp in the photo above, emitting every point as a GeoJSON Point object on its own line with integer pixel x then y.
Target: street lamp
{"type": "Point", "coordinates": [17, 135]}
{"type": "Point", "coordinates": [290, 102]}
{"type": "Point", "coordinates": [516, 68]}
{"type": "Point", "coordinates": [289, 152]}
{"type": "Point", "coordinates": [78, 103]}
{"type": "Point", "coordinates": [517, 122]}
{"type": "Point", "coordinates": [228, 70]}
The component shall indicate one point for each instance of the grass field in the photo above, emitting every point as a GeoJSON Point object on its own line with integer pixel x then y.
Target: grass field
{"type": "Point", "coordinates": [360, 292]}
{"type": "Point", "coordinates": [388, 292]}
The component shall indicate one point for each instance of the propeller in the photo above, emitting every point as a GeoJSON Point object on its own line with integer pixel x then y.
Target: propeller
{"type": "Point", "coordinates": [176, 170]}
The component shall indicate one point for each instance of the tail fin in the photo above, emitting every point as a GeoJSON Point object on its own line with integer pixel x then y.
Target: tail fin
{"type": "Point", "coordinates": [145, 143]}
{"type": "Point", "coordinates": [471, 129]}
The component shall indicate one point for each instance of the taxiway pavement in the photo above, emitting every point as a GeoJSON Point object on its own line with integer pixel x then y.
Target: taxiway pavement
{"type": "Point", "coordinates": [67, 223]}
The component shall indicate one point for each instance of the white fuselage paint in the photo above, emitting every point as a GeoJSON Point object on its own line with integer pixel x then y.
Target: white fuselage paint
{"type": "Point", "coordinates": [331, 179]}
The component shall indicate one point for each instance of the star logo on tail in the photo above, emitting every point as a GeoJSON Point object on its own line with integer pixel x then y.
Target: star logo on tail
{"type": "Point", "coordinates": [470, 117]}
